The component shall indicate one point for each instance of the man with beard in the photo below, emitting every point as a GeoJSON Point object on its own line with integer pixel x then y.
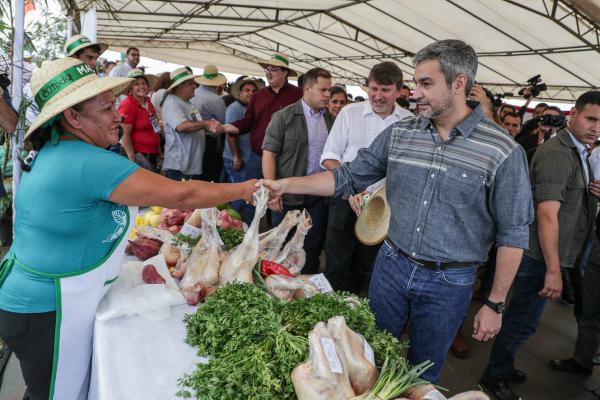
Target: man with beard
{"type": "Point", "coordinates": [457, 184]}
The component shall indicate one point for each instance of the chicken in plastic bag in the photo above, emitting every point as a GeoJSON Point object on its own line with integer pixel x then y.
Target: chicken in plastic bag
{"type": "Point", "coordinates": [269, 245]}
{"type": "Point", "coordinates": [293, 256]}
{"type": "Point", "coordinates": [358, 355]}
{"type": "Point", "coordinates": [241, 260]}
{"type": "Point", "coordinates": [286, 288]}
{"type": "Point", "coordinates": [322, 376]}
{"type": "Point", "coordinates": [202, 266]}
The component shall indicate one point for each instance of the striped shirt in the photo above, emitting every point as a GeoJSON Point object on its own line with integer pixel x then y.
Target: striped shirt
{"type": "Point", "coordinates": [450, 200]}
{"type": "Point", "coordinates": [317, 136]}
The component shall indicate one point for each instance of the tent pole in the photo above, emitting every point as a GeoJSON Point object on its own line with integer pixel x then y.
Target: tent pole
{"type": "Point", "coordinates": [17, 90]}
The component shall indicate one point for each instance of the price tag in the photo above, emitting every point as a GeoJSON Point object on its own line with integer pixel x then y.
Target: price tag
{"type": "Point", "coordinates": [190, 230]}
{"type": "Point", "coordinates": [434, 395]}
{"type": "Point", "coordinates": [369, 353]}
{"type": "Point", "coordinates": [332, 358]}
{"type": "Point", "coordinates": [321, 283]}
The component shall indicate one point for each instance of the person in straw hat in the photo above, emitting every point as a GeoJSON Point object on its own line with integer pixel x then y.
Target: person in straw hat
{"type": "Point", "coordinates": [184, 129]}
{"type": "Point", "coordinates": [237, 147]}
{"type": "Point", "coordinates": [279, 94]}
{"type": "Point", "coordinates": [141, 139]}
{"type": "Point", "coordinates": [83, 49]}
{"type": "Point", "coordinates": [211, 106]}
{"type": "Point", "coordinates": [73, 215]}
{"type": "Point", "coordinates": [457, 185]}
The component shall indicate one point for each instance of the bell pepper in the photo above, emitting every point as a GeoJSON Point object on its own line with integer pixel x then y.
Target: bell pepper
{"type": "Point", "coordinates": [273, 268]}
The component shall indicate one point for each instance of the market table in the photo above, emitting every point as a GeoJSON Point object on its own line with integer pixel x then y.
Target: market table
{"type": "Point", "coordinates": [136, 358]}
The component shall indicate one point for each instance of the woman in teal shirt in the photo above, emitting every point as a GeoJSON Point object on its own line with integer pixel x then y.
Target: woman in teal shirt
{"type": "Point", "coordinates": [73, 209]}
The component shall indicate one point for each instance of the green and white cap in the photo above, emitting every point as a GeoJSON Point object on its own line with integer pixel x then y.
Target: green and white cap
{"type": "Point", "coordinates": [278, 59]}
{"type": "Point", "coordinates": [78, 42]}
{"type": "Point", "coordinates": [63, 83]}
{"type": "Point", "coordinates": [179, 76]}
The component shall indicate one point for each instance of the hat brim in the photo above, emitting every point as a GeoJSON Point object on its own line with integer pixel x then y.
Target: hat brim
{"type": "Point", "coordinates": [218, 81]}
{"type": "Point", "coordinates": [102, 46]}
{"type": "Point", "coordinates": [180, 81]}
{"type": "Point", "coordinates": [372, 224]}
{"type": "Point", "coordinates": [79, 95]}
{"type": "Point", "coordinates": [235, 88]}
{"type": "Point", "coordinates": [152, 81]}
{"type": "Point", "coordinates": [276, 63]}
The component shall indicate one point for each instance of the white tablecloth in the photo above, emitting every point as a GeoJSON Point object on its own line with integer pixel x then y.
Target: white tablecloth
{"type": "Point", "coordinates": [135, 358]}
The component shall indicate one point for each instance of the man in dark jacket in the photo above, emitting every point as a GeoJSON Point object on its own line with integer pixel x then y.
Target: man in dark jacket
{"type": "Point", "coordinates": [293, 144]}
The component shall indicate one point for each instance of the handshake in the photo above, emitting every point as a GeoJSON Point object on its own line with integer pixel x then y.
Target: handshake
{"type": "Point", "coordinates": [215, 127]}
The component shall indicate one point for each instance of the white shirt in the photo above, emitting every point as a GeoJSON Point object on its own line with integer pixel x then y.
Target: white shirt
{"type": "Point", "coordinates": [121, 71]}
{"type": "Point", "coordinates": [595, 162]}
{"type": "Point", "coordinates": [356, 127]}
{"type": "Point", "coordinates": [583, 151]}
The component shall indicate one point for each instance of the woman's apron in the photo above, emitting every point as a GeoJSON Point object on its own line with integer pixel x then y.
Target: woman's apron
{"type": "Point", "coordinates": [77, 297]}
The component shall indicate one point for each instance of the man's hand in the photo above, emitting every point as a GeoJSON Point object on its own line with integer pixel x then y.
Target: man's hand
{"type": "Point", "coordinates": [552, 285]}
{"type": "Point", "coordinates": [595, 188]}
{"type": "Point", "coordinates": [357, 202]}
{"type": "Point", "coordinates": [276, 203]}
{"type": "Point", "coordinates": [276, 187]}
{"type": "Point", "coordinates": [487, 324]}
{"type": "Point", "coordinates": [249, 187]}
{"type": "Point", "coordinates": [237, 163]}
{"type": "Point", "coordinates": [215, 127]}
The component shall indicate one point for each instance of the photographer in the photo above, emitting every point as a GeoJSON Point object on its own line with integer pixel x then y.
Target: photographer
{"type": "Point", "coordinates": [546, 126]}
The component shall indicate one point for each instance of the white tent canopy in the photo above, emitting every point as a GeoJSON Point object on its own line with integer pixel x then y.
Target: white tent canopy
{"type": "Point", "coordinates": [515, 39]}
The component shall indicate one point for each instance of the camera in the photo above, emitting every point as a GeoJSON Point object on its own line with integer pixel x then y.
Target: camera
{"type": "Point", "coordinates": [536, 85]}
{"type": "Point", "coordinates": [4, 81]}
{"type": "Point", "coordinates": [498, 99]}
{"type": "Point", "coordinates": [554, 121]}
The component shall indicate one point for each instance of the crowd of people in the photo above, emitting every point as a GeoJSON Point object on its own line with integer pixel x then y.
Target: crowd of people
{"type": "Point", "coordinates": [468, 182]}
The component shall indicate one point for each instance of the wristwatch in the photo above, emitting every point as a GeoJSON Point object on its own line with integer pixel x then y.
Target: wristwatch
{"type": "Point", "coordinates": [497, 307]}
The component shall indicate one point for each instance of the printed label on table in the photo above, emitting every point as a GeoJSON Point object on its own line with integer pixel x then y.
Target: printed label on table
{"type": "Point", "coordinates": [321, 283]}
{"type": "Point", "coordinates": [190, 230]}
{"type": "Point", "coordinates": [332, 358]}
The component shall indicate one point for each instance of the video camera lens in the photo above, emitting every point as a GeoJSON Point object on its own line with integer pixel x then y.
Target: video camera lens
{"type": "Point", "coordinates": [554, 121]}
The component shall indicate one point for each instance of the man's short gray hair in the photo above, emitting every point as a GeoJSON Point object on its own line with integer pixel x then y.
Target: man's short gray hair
{"type": "Point", "coordinates": [455, 58]}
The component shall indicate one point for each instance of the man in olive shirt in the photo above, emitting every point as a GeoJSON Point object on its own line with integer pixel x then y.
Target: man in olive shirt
{"type": "Point", "coordinates": [293, 144]}
{"type": "Point", "coordinates": [565, 209]}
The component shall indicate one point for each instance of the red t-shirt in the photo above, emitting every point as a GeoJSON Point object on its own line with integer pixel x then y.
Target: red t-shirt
{"type": "Point", "coordinates": [144, 139]}
{"type": "Point", "coordinates": [263, 105]}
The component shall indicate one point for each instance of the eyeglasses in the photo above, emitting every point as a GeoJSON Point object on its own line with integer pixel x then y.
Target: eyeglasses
{"type": "Point", "coordinates": [273, 69]}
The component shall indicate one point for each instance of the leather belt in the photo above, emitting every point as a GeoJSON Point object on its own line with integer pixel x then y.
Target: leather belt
{"type": "Point", "coordinates": [429, 264]}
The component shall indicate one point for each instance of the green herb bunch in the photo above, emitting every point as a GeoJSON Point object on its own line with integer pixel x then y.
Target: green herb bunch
{"type": "Point", "coordinates": [231, 237]}
{"type": "Point", "coordinates": [255, 341]}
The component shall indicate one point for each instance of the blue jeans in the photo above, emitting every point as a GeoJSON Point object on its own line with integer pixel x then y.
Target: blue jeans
{"type": "Point", "coordinates": [434, 300]}
{"type": "Point", "coordinates": [520, 321]}
{"type": "Point", "coordinates": [254, 166]}
{"type": "Point", "coordinates": [246, 210]}
{"type": "Point", "coordinates": [315, 238]}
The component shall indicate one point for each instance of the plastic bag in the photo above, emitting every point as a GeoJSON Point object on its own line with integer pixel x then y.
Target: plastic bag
{"type": "Point", "coordinates": [129, 295]}
{"type": "Point", "coordinates": [286, 288]}
{"type": "Point", "coordinates": [241, 260]}
{"type": "Point", "coordinates": [270, 242]}
{"type": "Point", "coordinates": [322, 376]}
{"type": "Point", "coordinates": [293, 256]}
{"type": "Point", "coordinates": [202, 266]}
